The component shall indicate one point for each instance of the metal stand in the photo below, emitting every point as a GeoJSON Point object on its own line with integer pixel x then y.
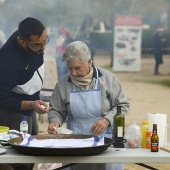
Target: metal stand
{"type": "Point", "coordinates": [146, 166]}
{"type": "Point", "coordinates": [66, 166]}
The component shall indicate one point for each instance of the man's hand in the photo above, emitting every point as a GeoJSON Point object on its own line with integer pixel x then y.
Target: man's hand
{"type": "Point", "coordinates": [38, 106]}
{"type": "Point", "coordinates": [51, 128]}
{"type": "Point", "coordinates": [99, 126]}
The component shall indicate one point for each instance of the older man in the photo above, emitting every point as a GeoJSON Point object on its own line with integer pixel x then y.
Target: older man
{"type": "Point", "coordinates": [88, 97]}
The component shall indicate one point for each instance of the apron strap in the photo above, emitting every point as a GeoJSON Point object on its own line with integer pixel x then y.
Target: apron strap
{"type": "Point", "coordinates": [96, 85]}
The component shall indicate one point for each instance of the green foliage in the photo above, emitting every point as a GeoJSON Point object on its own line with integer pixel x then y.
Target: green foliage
{"type": "Point", "coordinates": [147, 41]}
{"type": "Point", "coordinates": [147, 38]}
{"type": "Point", "coordinates": [103, 40]}
{"type": "Point", "coordinates": [164, 82]}
{"type": "Point", "coordinates": [100, 40]}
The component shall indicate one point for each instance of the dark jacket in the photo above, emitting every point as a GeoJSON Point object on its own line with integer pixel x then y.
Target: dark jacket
{"type": "Point", "coordinates": [158, 48]}
{"type": "Point", "coordinates": [21, 75]}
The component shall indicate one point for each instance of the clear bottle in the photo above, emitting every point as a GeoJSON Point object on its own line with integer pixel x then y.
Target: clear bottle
{"type": "Point", "coordinates": [144, 128]}
{"type": "Point", "coordinates": [24, 125]}
{"type": "Point", "coordinates": [154, 139]}
{"type": "Point", "coordinates": [148, 139]}
{"type": "Point", "coordinates": [119, 128]}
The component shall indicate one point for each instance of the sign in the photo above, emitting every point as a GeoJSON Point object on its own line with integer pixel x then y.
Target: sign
{"type": "Point", "coordinates": [127, 43]}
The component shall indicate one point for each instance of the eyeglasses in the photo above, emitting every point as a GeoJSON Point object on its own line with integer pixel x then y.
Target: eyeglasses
{"type": "Point", "coordinates": [38, 46]}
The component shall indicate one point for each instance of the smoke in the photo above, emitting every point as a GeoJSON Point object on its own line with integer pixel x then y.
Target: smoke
{"type": "Point", "coordinates": [52, 13]}
{"type": "Point", "coordinates": [76, 15]}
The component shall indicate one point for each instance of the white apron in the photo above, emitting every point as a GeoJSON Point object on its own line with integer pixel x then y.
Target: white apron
{"type": "Point", "coordinates": [86, 109]}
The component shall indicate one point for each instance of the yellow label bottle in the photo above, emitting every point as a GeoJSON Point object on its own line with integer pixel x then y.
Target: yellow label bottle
{"type": "Point", "coordinates": [144, 128]}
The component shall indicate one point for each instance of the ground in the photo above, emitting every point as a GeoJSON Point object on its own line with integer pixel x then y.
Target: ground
{"type": "Point", "coordinates": [144, 95]}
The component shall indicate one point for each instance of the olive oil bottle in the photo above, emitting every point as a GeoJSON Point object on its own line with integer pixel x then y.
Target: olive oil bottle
{"type": "Point", "coordinates": [119, 128]}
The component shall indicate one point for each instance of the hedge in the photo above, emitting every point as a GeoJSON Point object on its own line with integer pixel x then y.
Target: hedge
{"type": "Point", "coordinates": [104, 41]}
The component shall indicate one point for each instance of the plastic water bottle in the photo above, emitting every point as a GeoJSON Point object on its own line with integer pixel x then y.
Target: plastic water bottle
{"type": "Point", "coordinates": [24, 125]}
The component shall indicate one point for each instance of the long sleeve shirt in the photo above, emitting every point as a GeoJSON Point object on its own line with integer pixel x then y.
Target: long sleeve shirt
{"type": "Point", "coordinates": [111, 92]}
{"type": "Point", "coordinates": [21, 75]}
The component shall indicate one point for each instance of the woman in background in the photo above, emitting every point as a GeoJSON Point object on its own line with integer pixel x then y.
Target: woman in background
{"type": "Point", "coordinates": [63, 40]}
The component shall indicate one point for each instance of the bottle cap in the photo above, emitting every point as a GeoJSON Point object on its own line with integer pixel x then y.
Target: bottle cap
{"type": "Point", "coordinates": [24, 118]}
{"type": "Point", "coordinates": [148, 132]}
{"type": "Point", "coordinates": [144, 122]}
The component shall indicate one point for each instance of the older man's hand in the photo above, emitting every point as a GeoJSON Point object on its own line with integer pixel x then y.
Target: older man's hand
{"type": "Point", "coordinates": [52, 127]}
{"type": "Point", "coordinates": [99, 126]}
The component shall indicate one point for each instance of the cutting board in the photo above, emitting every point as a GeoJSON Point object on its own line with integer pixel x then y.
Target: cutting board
{"type": "Point", "coordinates": [165, 148]}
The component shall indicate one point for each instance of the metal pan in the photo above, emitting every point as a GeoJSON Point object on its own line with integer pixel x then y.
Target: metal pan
{"type": "Point", "coordinates": [59, 151]}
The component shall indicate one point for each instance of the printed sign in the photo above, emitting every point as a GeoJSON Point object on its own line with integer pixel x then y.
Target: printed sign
{"type": "Point", "coordinates": [127, 43]}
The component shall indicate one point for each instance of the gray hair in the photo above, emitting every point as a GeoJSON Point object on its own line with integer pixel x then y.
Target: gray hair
{"type": "Point", "coordinates": [77, 49]}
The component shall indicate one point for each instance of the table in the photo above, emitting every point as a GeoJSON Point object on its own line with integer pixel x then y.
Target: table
{"type": "Point", "coordinates": [127, 155]}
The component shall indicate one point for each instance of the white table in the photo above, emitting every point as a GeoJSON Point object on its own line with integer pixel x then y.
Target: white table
{"type": "Point", "coordinates": [109, 156]}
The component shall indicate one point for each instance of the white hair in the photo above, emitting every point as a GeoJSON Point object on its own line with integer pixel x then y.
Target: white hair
{"type": "Point", "coordinates": [77, 49]}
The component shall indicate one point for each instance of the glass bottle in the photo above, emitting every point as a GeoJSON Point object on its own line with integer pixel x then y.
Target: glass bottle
{"type": "Point", "coordinates": [24, 125]}
{"type": "Point", "coordinates": [154, 139]}
{"type": "Point", "coordinates": [144, 128]}
{"type": "Point", "coordinates": [119, 128]}
{"type": "Point", "coordinates": [148, 139]}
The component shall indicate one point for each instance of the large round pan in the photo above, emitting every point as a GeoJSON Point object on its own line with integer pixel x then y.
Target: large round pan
{"type": "Point", "coordinates": [59, 151]}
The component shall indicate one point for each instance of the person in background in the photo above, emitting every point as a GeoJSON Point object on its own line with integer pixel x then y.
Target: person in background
{"type": "Point", "coordinates": [63, 40]}
{"type": "Point", "coordinates": [157, 44]}
{"type": "Point", "coordinates": [21, 74]}
{"type": "Point", "coordinates": [87, 97]}
{"type": "Point", "coordinates": [88, 38]}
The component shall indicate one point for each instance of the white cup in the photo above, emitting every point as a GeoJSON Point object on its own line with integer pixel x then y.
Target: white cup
{"type": "Point", "coordinates": [62, 130]}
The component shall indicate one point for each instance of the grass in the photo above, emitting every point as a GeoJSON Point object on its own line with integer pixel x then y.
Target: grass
{"type": "Point", "coordinates": [163, 82]}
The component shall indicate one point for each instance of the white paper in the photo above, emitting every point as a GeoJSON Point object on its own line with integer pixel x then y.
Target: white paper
{"type": "Point", "coordinates": [60, 143]}
{"type": "Point", "coordinates": [4, 136]}
{"type": "Point", "coordinates": [161, 120]}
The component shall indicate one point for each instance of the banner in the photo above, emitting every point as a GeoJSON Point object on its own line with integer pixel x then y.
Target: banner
{"type": "Point", "coordinates": [127, 43]}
